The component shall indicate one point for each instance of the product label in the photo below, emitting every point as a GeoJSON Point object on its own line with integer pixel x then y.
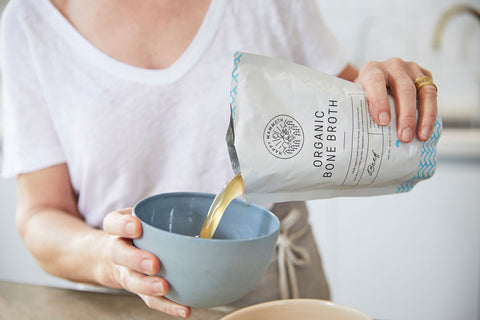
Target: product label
{"type": "Point", "coordinates": [367, 145]}
{"type": "Point", "coordinates": [299, 134]}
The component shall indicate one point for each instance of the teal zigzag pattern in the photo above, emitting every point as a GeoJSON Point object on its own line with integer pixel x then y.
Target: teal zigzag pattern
{"type": "Point", "coordinates": [428, 160]}
{"type": "Point", "coordinates": [233, 92]}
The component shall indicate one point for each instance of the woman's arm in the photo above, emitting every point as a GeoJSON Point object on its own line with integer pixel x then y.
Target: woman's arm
{"type": "Point", "coordinates": [52, 229]}
{"type": "Point", "coordinates": [65, 246]}
{"type": "Point", "coordinates": [350, 73]}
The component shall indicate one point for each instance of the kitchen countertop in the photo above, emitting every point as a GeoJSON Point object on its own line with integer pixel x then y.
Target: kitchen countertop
{"type": "Point", "coordinates": [25, 301]}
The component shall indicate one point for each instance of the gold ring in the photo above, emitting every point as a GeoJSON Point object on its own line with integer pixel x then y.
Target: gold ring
{"type": "Point", "coordinates": [424, 81]}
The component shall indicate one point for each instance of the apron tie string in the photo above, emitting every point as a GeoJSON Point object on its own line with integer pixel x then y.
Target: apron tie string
{"type": "Point", "coordinates": [290, 255]}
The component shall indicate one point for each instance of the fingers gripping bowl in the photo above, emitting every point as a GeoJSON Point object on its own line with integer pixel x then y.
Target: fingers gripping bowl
{"type": "Point", "coordinates": [206, 272]}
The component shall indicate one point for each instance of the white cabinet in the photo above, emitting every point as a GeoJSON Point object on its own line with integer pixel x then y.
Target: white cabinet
{"type": "Point", "coordinates": [411, 256]}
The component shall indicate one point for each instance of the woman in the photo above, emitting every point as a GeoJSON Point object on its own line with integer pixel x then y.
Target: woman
{"type": "Point", "coordinates": [109, 101]}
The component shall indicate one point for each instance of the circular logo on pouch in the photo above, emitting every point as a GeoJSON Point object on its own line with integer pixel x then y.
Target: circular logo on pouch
{"type": "Point", "coordinates": [283, 137]}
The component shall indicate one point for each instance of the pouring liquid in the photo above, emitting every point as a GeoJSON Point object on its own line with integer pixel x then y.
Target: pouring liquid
{"type": "Point", "coordinates": [230, 191]}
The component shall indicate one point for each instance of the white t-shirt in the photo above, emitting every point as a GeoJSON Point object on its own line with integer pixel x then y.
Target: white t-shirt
{"type": "Point", "coordinates": [127, 132]}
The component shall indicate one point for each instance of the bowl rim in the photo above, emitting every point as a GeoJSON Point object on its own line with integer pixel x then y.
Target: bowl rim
{"type": "Point", "coordinates": [267, 304]}
{"type": "Point", "coordinates": [207, 195]}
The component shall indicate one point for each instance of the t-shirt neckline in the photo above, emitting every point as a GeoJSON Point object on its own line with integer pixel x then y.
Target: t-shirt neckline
{"type": "Point", "coordinates": [181, 66]}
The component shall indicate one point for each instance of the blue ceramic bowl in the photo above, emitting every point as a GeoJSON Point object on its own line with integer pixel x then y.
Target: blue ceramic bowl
{"type": "Point", "coordinates": [206, 272]}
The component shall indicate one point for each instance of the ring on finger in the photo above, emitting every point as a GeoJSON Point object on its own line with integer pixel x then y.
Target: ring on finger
{"type": "Point", "coordinates": [424, 81]}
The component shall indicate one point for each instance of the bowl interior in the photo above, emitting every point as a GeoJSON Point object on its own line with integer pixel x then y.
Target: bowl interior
{"type": "Point", "coordinates": [184, 213]}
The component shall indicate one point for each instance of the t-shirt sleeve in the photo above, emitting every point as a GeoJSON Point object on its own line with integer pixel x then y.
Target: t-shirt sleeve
{"type": "Point", "coordinates": [314, 43]}
{"type": "Point", "coordinates": [29, 139]}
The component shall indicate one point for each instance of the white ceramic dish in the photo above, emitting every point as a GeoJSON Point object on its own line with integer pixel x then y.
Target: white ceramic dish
{"type": "Point", "coordinates": [298, 309]}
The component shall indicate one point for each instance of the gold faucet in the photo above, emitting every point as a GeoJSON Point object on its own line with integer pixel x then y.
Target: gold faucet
{"type": "Point", "coordinates": [446, 16]}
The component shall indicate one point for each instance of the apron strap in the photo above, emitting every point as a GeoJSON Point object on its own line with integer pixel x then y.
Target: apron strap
{"type": "Point", "coordinates": [290, 255]}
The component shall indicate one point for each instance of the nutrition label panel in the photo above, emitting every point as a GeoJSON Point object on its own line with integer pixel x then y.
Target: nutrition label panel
{"type": "Point", "coordinates": [366, 143]}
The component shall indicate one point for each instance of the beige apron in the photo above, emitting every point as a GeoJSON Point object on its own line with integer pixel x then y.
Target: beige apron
{"type": "Point", "coordinates": [296, 269]}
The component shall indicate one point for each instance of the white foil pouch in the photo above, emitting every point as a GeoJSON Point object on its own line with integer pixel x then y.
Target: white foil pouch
{"type": "Point", "coordinates": [299, 134]}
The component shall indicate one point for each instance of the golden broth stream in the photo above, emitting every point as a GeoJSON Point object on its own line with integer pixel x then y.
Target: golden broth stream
{"type": "Point", "coordinates": [230, 191]}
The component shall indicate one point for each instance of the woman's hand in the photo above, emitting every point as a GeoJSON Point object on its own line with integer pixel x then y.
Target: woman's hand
{"type": "Point", "coordinates": [399, 76]}
{"type": "Point", "coordinates": [134, 269]}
